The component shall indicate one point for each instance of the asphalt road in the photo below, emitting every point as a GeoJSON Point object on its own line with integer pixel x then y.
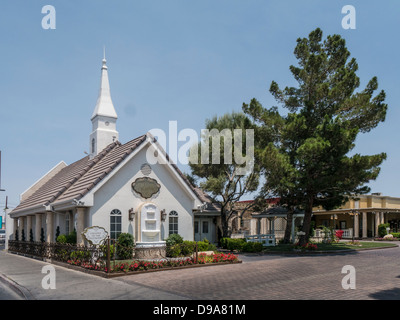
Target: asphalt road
{"type": "Point", "coordinates": [6, 293]}
{"type": "Point", "coordinates": [267, 277]}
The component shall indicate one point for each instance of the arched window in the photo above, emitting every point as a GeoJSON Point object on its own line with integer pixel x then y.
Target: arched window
{"type": "Point", "coordinates": [93, 144]}
{"type": "Point", "coordinates": [115, 224]}
{"type": "Point", "coordinates": [173, 222]}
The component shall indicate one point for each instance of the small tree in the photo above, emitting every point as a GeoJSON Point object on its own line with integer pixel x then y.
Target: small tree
{"type": "Point", "coordinates": [382, 229]}
{"type": "Point", "coordinates": [125, 246]}
{"type": "Point", "coordinates": [71, 237]}
{"type": "Point", "coordinates": [224, 179]}
{"type": "Point", "coordinates": [57, 232]}
{"type": "Point", "coordinates": [42, 235]}
{"type": "Point", "coordinates": [16, 236]}
{"type": "Point", "coordinates": [23, 235]}
{"type": "Point", "coordinates": [31, 235]}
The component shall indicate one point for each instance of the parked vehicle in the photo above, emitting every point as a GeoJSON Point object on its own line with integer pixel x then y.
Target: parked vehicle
{"type": "Point", "coordinates": [2, 236]}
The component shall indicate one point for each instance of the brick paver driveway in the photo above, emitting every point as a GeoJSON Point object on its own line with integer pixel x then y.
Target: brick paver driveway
{"type": "Point", "coordinates": [284, 277]}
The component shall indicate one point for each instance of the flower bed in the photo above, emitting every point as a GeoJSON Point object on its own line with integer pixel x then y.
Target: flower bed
{"type": "Point", "coordinates": [140, 265]}
{"type": "Point", "coordinates": [309, 246]}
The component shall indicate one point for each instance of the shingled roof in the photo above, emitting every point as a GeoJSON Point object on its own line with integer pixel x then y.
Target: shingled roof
{"type": "Point", "coordinates": [76, 180]}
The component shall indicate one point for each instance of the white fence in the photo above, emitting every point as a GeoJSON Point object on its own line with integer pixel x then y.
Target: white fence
{"type": "Point", "coordinates": [347, 233]}
{"type": "Point", "coordinates": [266, 239]}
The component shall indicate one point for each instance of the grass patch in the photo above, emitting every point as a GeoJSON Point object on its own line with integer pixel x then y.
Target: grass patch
{"type": "Point", "coordinates": [334, 246]}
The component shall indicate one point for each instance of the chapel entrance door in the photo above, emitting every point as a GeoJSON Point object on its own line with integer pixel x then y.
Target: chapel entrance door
{"type": "Point", "coordinates": [204, 229]}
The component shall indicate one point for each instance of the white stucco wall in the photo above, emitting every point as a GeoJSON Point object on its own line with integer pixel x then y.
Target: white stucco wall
{"type": "Point", "coordinates": [117, 193]}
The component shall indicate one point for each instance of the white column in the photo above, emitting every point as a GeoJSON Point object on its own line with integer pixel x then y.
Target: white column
{"type": "Point", "coordinates": [80, 225]}
{"type": "Point", "coordinates": [38, 226]}
{"type": "Point", "coordinates": [49, 227]}
{"type": "Point", "coordinates": [377, 222]}
{"type": "Point", "coordinates": [364, 230]}
{"type": "Point", "coordinates": [356, 226]}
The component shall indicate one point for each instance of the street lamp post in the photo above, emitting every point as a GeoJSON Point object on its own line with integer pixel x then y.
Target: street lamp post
{"type": "Point", "coordinates": [0, 173]}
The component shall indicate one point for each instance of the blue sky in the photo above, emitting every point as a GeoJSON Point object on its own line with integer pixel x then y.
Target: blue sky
{"type": "Point", "coordinates": [169, 60]}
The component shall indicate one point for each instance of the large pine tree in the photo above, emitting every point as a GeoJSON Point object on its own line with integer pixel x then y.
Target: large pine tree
{"type": "Point", "coordinates": [309, 163]}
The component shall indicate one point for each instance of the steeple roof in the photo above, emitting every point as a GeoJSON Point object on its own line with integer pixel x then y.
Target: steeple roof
{"type": "Point", "coordinates": [104, 105]}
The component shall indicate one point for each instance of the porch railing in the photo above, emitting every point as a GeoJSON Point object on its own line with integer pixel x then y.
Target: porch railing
{"type": "Point", "coordinates": [347, 233]}
{"type": "Point", "coordinates": [62, 252]}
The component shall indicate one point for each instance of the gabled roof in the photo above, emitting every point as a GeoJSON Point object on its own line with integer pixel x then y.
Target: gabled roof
{"type": "Point", "coordinates": [79, 178]}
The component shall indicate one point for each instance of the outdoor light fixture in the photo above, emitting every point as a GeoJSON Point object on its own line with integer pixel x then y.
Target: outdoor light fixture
{"type": "Point", "coordinates": [163, 215]}
{"type": "Point", "coordinates": [131, 214]}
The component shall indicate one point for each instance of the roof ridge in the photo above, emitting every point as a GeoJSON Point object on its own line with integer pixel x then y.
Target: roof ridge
{"type": "Point", "coordinates": [114, 164]}
{"type": "Point", "coordinates": [91, 163]}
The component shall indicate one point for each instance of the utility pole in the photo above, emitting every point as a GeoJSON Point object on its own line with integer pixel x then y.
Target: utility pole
{"type": "Point", "coordinates": [0, 173]}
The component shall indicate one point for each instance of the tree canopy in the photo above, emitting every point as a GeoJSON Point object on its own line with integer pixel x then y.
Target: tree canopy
{"type": "Point", "coordinates": [305, 154]}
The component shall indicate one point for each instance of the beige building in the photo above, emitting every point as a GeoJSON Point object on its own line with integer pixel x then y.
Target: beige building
{"type": "Point", "coordinates": [358, 218]}
{"type": "Point", "coordinates": [362, 216]}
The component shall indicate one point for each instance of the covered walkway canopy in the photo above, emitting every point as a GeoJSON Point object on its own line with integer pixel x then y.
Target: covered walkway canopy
{"type": "Point", "coordinates": [273, 213]}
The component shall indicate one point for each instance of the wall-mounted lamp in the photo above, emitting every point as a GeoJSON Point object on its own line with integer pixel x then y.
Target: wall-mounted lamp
{"type": "Point", "coordinates": [131, 214]}
{"type": "Point", "coordinates": [163, 215]}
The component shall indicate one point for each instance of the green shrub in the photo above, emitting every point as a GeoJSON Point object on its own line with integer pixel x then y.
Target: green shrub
{"type": "Point", "coordinates": [396, 234]}
{"type": "Point", "coordinates": [62, 238]}
{"type": "Point", "coordinates": [187, 247]}
{"type": "Point", "coordinates": [71, 237]}
{"type": "Point", "coordinates": [252, 247]}
{"type": "Point", "coordinates": [382, 229]}
{"type": "Point", "coordinates": [205, 245]}
{"type": "Point", "coordinates": [125, 246]}
{"type": "Point", "coordinates": [80, 255]}
{"type": "Point", "coordinates": [174, 251]}
{"type": "Point", "coordinates": [233, 244]}
{"type": "Point", "coordinates": [173, 239]}
{"type": "Point", "coordinates": [57, 232]}
{"type": "Point", "coordinates": [104, 250]}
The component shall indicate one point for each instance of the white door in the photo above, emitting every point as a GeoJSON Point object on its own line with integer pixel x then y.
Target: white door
{"type": "Point", "coordinates": [203, 229]}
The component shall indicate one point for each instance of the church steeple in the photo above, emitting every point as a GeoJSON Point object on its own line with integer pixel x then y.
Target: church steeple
{"type": "Point", "coordinates": [104, 117]}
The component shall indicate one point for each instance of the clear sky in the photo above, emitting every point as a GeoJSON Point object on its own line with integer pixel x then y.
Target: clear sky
{"type": "Point", "coordinates": [169, 60]}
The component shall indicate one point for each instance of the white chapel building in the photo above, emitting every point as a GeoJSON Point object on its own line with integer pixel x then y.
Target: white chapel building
{"type": "Point", "coordinates": [114, 187]}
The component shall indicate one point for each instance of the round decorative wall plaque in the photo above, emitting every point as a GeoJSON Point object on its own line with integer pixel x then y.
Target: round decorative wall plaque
{"type": "Point", "coordinates": [95, 235]}
{"type": "Point", "coordinates": [145, 169]}
{"type": "Point", "coordinates": [146, 187]}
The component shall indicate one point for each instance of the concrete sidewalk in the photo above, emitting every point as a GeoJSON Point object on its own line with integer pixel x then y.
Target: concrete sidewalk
{"type": "Point", "coordinates": [24, 275]}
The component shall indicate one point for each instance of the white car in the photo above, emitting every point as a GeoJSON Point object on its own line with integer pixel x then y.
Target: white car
{"type": "Point", "coordinates": [2, 236]}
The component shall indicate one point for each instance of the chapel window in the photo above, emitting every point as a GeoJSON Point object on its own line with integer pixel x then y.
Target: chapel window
{"type": "Point", "coordinates": [115, 223]}
{"type": "Point", "coordinates": [173, 222]}
{"type": "Point", "coordinates": [93, 144]}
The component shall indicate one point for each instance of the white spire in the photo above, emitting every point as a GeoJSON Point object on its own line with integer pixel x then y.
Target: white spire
{"type": "Point", "coordinates": [104, 105]}
{"type": "Point", "coordinates": [104, 118]}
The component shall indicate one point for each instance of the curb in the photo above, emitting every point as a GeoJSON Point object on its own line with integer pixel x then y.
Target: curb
{"type": "Point", "coordinates": [344, 251]}
{"type": "Point", "coordinates": [18, 289]}
{"type": "Point", "coordinates": [310, 253]}
{"type": "Point", "coordinates": [129, 273]}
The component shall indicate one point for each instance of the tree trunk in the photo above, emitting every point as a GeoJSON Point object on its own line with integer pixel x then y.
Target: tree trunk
{"type": "Point", "coordinates": [288, 230]}
{"type": "Point", "coordinates": [307, 221]}
{"type": "Point", "coordinates": [225, 224]}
